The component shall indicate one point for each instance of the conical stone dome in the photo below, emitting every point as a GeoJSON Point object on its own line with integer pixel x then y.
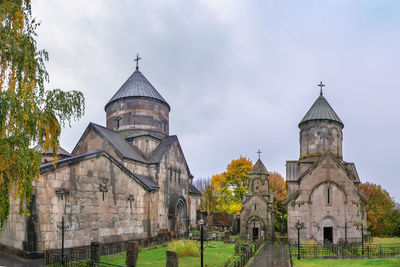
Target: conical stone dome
{"type": "Point", "coordinates": [137, 86]}
{"type": "Point", "coordinates": [321, 110]}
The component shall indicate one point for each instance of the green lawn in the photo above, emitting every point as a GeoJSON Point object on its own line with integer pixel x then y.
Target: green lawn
{"type": "Point", "coordinates": [386, 240]}
{"type": "Point", "coordinates": [387, 262]}
{"type": "Point", "coordinates": [216, 254]}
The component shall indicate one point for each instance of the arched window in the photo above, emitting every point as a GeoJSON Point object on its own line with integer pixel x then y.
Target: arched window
{"type": "Point", "coordinates": [311, 138]}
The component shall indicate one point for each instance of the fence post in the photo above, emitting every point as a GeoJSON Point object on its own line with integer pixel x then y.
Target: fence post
{"type": "Point", "coordinates": [132, 253]}
{"type": "Point", "coordinates": [172, 258]}
{"type": "Point", "coordinates": [95, 251]}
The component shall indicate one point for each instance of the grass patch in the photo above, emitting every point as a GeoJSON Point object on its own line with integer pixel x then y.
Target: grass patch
{"type": "Point", "coordinates": [185, 248]}
{"type": "Point", "coordinates": [387, 262]}
{"type": "Point", "coordinates": [386, 240]}
{"type": "Point", "coordinates": [216, 254]}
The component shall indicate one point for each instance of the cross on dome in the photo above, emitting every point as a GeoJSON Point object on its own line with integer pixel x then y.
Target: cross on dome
{"type": "Point", "coordinates": [137, 61]}
{"type": "Point", "coordinates": [259, 153]}
{"type": "Point", "coordinates": [321, 85]}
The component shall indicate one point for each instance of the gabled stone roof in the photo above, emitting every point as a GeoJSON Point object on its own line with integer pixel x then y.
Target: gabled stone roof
{"type": "Point", "coordinates": [321, 110]}
{"type": "Point", "coordinates": [61, 151]}
{"type": "Point", "coordinates": [137, 86]}
{"type": "Point", "coordinates": [118, 142]}
{"type": "Point", "coordinates": [259, 168]}
{"type": "Point", "coordinates": [144, 181]}
{"type": "Point", "coordinates": [194, 190]}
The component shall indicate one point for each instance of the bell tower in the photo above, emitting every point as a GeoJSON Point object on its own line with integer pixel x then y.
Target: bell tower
{"type": "Point", "coordinates": [320, 130]}
{"type": "Point", "coordinates": [259, 179]}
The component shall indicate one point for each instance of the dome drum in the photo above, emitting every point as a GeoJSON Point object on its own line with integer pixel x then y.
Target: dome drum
{"type": "Point", "coordinates": [138, 113]}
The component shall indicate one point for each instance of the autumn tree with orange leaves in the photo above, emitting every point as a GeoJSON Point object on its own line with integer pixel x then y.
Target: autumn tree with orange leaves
{"type": "Point", "coordinates": [383, 217]}
{"type": "Point", "coordinates": [29, 114]}
{"type": "Point", "coordinates": [231, 185]}
{"type": "Point", "coordinates": [277, 185]}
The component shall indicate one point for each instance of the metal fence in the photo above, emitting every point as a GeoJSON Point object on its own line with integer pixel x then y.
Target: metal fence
{"type": "Point", "coordinates": [56, 260]}
{"type": "Point", "coordinates": [246, 251]}
{"type": "Point", "coordinates": [79, 256]}
{"type": "Point", "coordinates": [344, 251]}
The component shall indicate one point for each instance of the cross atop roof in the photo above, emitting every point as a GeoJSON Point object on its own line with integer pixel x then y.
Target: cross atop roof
{"type": "Point", "coordinates": [137, 61]}
{"type": "Point", "coordinates": [321, 85]}
{"type": "Point", "coordinates": [259, 153]}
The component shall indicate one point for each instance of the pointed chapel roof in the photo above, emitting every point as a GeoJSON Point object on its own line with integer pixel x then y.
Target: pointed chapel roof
{"type": "Point", "coordinates": [259, 168]}
{"type": "Point", "coordinates": [137, 86]}
{"type": "Point", "coordinates": [321, 110]}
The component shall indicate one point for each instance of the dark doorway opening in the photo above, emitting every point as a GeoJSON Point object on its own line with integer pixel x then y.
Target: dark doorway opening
{"type": "Point", "coordinates": [328, 234]}
{"type": "Point", "coordinates": [255, 233]}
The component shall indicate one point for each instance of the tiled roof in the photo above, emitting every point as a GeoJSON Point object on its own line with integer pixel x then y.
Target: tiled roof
{"type": "Point", "coordinates": [61, 151]}
{"type": "Point", "coordinates": [147, 181]}
{"type": "Point", "coordinates": [194, 190]}
{"type": "Point", "coordinates": [259, 168]}
{"type": "Point", "coordinates": [137, 86]}
{"type": "Point", "coordinates": [321, 110]}
{"type": "Point", "coordinates": [162, 149]}
{"type": "Point", "coordinates": [119, 143]}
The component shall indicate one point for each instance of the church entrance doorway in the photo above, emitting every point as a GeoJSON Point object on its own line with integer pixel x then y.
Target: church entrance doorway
{"type": "Point", "coordinates": [328, 234]}
{"type": "Point", "coordinates": [255, 228]}
{"type": "Point", "coordinates": [255, 233]}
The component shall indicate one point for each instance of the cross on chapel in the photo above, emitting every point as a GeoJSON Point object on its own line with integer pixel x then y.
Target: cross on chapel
{"type": "Point", "coordinates": [321, 85]}
{"type": "Point", "coordinates": [259, 153]}
{"type": "Point", "coordinates": [137, 61]}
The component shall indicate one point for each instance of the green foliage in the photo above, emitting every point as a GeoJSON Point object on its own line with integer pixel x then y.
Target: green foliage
{"type": "Point", "coordinates": [388, 262]}
{"type": "Point", "coordinates": [185, 248]}
{"type": "Point", "coordinates": [28, 113]}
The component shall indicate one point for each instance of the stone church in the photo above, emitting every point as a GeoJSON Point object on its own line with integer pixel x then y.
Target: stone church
{"type": "Point", "coordinates": [322, 188]}
{"type": "Point", "coordinates": [124, 181]}
{"type": "Point", "coordinates": [257, 213]}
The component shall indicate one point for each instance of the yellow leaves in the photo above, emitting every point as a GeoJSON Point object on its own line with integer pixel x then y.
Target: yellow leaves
{"type": "Point", "coordinates": [218, 181]}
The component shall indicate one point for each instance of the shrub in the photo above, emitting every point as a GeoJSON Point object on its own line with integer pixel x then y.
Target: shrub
{"type": "Point", "coordinates": [185, 248]}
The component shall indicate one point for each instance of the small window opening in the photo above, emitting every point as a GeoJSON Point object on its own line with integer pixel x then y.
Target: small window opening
{"type": "Point", "coordinates": [329, 195]}
{"type": "Point", "coordinates": [170, 175]}
{"type": "Point", "coordinates": [117, 121]}
{"type": "Point", "coordinates": [255, 206]}
{"type": "Point", "coordinates": [179, 177]}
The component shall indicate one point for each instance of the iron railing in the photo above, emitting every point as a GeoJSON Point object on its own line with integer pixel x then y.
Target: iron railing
{"type": "Point", "coordinates": [246, 251]}
{"type": "Point", "coordinates": [76, 254]}
{"type": "Point", "coordinates": [344, 251]}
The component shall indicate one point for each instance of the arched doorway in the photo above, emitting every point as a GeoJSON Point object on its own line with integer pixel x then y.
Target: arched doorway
{"type": "Point", "coordinates": [178, 216]}
{"type": "Point", "coordinates": [328, 224]}
{"type": "Point", "coordinates": [255, 228]}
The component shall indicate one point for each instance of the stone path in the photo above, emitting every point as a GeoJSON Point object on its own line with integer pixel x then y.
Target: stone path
{"type": "Point", "coordinates": [272, 254]}
{"type": "Point", "coordinates": [13, 261]}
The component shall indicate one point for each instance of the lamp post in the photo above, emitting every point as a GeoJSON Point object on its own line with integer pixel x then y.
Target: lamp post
{"type": "Point", "coordinates": [299, 226]}
{"type": "Point", "coordinates": [362, 236]}
{"type": "Point", "coordinates": [63, 227]}
{"type": "Point", "coordinates": [201, 222]}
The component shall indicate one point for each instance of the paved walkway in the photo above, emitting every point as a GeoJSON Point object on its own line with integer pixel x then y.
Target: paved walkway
{"type": "Point", "coordinates": [13, 261]}
{"type": "Point", "coordinates": [272, 254]}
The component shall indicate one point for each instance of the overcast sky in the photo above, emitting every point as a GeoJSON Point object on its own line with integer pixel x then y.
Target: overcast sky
{"type": "Point", "coordinates": [238, 75]}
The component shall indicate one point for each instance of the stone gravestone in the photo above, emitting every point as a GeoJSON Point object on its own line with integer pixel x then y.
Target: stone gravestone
{"type": "Point", "coordinates": [132, 253]}
{"type": "Point", "coordinates": [172, 258]}
{"type": "Point", "coordinates": [226, 236]}
{"type": "Point", "coordinates": [95, 251]}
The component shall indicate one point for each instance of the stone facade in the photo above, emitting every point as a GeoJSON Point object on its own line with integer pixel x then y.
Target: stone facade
{"type": "Point", "coordinates": [257, 213]}
{"type": "Point", "coordinates": [322, 189]}
{"type": "Point", "coordinates": [120, 183]}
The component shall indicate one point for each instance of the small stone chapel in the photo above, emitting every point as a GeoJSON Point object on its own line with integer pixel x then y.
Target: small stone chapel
{"type": "Point", "coordinates": [257, 213]}
{"type": "Point", "coordinates": [322, 188]}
